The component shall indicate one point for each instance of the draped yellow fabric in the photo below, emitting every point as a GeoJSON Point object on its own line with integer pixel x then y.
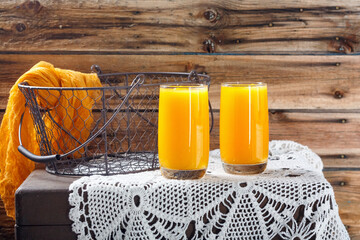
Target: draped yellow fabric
{"type": "Point", "coordinates": [70, 109]}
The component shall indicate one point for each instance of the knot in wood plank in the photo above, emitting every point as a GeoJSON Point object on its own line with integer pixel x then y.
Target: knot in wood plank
{"type": "Point", "coordinates": [209, 46]}
{"type": "Point", "coordinates": [338, 94]}
{"type": "Point", "coordinates": [20, 27]}
{"type": "Point", "coordinates": [346, 44]}
{"type": "Point", "coordinates": [30, 6]}
{"type": "Point", "coordinates": [211, 15]}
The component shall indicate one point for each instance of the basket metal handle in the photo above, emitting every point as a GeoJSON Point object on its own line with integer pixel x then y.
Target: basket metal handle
{"type": "Point", "coordinates": [139, 80]}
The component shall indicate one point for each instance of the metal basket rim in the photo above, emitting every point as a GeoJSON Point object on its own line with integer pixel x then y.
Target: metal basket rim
{"type": "Point", "coordinates": [24, 85]}
{"type": "Point", "coordinates": [163, 73]}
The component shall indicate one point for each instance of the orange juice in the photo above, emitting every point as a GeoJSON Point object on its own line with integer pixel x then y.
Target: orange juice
{"type": "Point", "coordinates": [244, 124]}
{"type": "Point", "coordinates": [183, 127]}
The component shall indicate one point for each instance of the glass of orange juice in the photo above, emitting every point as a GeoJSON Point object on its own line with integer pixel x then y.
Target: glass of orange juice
{"type": "Point", "coordinates": [244, 127]}
{"type": "Point", "coordinates": [183, 130]}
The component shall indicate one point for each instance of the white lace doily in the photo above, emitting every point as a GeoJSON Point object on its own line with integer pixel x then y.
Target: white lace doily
{"type": "Point", "coordinates": [290, 200]}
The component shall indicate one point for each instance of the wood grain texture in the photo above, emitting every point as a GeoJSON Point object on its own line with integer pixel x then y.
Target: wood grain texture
{"type": "Point", "coordinates": [181, 26]}
{"type": "Point", "coordinates": [346, 186]}
{"type": "Point", "coordinates": [294, 82]}
{"type": "Point", "coordinates": [6, 224]}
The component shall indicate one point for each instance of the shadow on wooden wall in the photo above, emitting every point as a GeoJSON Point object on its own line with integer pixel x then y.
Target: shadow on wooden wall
{"type": "Point", "coordinates": [308, 53]}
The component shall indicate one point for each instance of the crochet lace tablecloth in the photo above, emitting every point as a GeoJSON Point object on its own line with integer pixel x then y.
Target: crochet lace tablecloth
{"type": "Point", "coordinates": [290, 200]}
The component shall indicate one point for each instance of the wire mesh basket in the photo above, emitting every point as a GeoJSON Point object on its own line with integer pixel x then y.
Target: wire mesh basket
{"type": "Point", "coordinates": [107, 130]}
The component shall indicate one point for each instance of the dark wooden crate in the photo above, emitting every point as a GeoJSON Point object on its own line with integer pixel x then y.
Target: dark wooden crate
{"type": "Point", "coordinates": [42, 207]}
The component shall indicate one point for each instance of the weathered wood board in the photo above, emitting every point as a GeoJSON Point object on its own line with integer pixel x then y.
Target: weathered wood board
{"type": "Point", "coordinates": [294, 82]}
{"type": "Point", "coordinates": [347, 195]}
{"type": "Point", "coordinates": [181, 26]}
{"type": "Point", "coordinates": [333, 136]}
{"type": "Point", "coordinates": [6, 224]}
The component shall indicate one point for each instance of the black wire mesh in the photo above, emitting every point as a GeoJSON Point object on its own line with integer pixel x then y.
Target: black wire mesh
{"type": "Point", "coordinates": [65, 118]}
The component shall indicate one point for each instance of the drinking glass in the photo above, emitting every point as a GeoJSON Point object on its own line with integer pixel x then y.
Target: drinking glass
{"type": "Point", "coordinates": [244, 127]}
{"type": "Point", "coordinates": [183, 130]}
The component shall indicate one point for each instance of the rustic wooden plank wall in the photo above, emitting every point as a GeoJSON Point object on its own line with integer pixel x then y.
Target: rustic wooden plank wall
{"type": "Point", "coordinates": [307, 51]}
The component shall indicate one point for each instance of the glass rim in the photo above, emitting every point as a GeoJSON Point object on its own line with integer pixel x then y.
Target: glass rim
{"type": "Point", "coordinates": [244, 84]}
{"type": "Point", "coordinates": [184, 85]}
